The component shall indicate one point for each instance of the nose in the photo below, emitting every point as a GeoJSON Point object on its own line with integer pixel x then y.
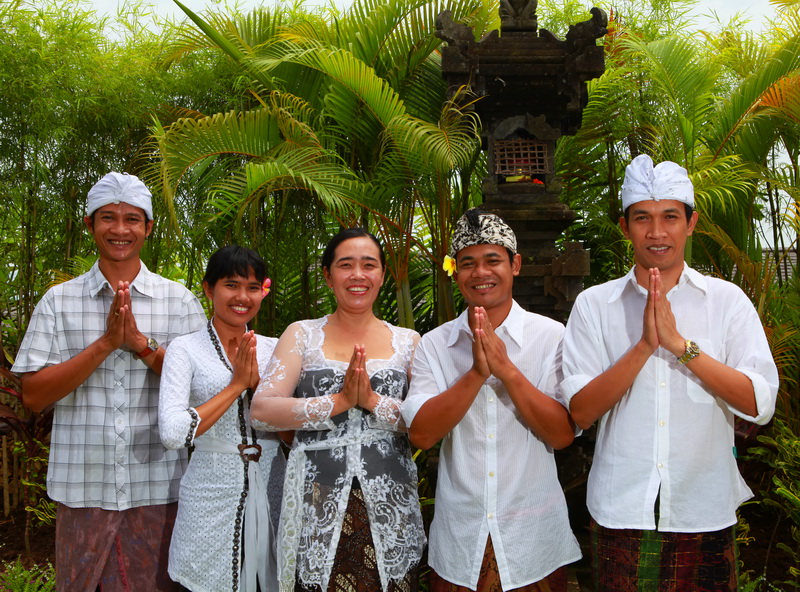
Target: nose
{"type": "Point", "coordinates": [656, 228]}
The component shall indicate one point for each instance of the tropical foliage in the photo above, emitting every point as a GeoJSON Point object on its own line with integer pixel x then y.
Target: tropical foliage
{"type": "Point", "coordinates": [274, 127]}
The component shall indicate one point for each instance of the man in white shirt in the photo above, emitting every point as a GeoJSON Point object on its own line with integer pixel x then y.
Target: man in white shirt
{"type": "Point", "coordinates": [94, 349]}
{"type": "Point", "coordinates": [663, 359]}
{"type": "Point", "coordinates": [484, 384]}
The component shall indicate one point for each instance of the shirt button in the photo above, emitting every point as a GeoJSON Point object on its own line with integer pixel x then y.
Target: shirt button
{"type": "Point", "coordinates": [491, 473]}
{"type": "Point", "coordinates": [662, 423]}
{"type": "Point", "coordinates": [491, 436]}
{"type": "Point", "coordinates": [660, 465]}
{"type": "Point", "coordinates": [662, 384]}
{"type": "Point", "coordinates": [490, 515]}
{"type": "Point", "coordinates": [491, 399]}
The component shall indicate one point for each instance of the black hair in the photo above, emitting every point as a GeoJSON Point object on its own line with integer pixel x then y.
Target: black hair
{"type": "Point", "coordinates": [343, 235]}
{"type": "Point", "coordinates": [233, 260]}
{"type": "Point", "coordinates": [686, 208]}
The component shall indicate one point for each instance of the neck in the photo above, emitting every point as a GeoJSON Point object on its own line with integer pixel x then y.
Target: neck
{"type": "Point", "coordinates": [354, 322]}
{"type": "Point", "coordinates": [498, 314]}
{"type": "Point", "coordinates": [669, 278]}
{"type": "Point", "coordinates": [228, 334]}
{"type": "Point", "coordinates": [119, 271]}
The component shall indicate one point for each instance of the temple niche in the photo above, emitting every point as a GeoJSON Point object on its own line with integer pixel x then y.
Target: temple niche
{"type": "Point", "coordinates": [532, 90]}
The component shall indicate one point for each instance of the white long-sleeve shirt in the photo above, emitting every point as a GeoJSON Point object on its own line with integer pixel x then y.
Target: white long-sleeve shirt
{"type": "Point", "coordinates": [668, 436]}
{"type": "Point", "coordinates": [496, 476]}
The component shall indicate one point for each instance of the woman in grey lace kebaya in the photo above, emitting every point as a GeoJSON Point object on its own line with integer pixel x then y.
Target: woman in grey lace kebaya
{"type": "Point", "coordinates": [350, 518]}
{"type": "Point", "coordinates": [224, 532]}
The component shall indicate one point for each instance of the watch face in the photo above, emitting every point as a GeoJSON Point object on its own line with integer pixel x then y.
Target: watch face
{"type": "Point", "coordinates": [152, 343]}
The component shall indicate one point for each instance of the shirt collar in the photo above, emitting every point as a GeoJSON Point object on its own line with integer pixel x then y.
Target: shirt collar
{"type": "Point", "coordinates": [142, 283]}
{"type": "Point", "coordinates": [689, 276]}
{"type": "Point", "coordinates": [512, 325]}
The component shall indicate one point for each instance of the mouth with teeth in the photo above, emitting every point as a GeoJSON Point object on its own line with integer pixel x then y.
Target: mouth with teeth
{"type": "Point", "coordinates": [658, 249]}
{"type": "Point", "coordinates": [358, 290]}
{"type": "Point", "coordinates": [240, 309]}
{"type": "Point", "coordinates": [483, 286]}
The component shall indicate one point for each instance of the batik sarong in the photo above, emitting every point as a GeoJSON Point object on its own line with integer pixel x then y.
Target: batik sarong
{"type": "Point", "coordinates": [489, 578]}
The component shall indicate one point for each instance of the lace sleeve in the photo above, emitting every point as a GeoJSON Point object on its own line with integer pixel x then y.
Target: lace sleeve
{"type": "Point", "coordinates": [386, 414]}
{"type": "Point", "coordinates": [274, 406]}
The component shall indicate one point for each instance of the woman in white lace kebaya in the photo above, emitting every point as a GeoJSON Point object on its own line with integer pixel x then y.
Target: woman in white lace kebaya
{"type": "Point", "coordinates": [229, 496]}
{"type": "Point", "coordinates": [350, 518]}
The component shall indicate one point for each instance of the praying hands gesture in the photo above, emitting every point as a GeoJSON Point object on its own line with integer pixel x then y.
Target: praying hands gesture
{"type": "Point", "coordinates": [121, 329]}
{"type": "Point", "coordinates": [245, 364]}
{"type": "Point", "coordinates": [488, 350]}
{"type": "Point", "coordinates": [659, 326]}
{"type": "Point", "coordinates": [357, 390]}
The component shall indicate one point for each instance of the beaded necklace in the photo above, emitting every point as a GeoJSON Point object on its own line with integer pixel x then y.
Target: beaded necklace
{"type": "Point", "coordinates": [246, 458]}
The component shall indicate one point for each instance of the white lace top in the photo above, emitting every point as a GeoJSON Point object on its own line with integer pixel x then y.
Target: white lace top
{"type": "Point", "coordinates": [328, 453]}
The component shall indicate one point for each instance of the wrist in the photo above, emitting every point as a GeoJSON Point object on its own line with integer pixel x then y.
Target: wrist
{"type": "Point", "coordinates": [142, 350]}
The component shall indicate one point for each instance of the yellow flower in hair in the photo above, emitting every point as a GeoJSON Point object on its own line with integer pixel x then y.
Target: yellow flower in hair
{"type": "Point", "coordinates": [449, 265]}
{"type": "Point", "coordinates": [265, 286]}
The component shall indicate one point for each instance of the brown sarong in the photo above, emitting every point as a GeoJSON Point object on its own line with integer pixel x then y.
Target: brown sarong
{"type": "Point", "coordinates": [355, 567]}
{"type": "Point", "coordinates": [489, 578]}
{"type": "Point", "coordinates": [629, 560]}
{"type": "Point", "coordinates": [114, 551]}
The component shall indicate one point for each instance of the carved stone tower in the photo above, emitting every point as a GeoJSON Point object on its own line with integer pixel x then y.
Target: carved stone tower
{"type": "Point", "coordinates": [532, 89]}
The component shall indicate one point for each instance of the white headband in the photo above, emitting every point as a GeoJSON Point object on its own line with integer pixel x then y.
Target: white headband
{"type": "Point", "coordinates": [667, 180]}
{"type": "Point", "coordinates": [119, 187]}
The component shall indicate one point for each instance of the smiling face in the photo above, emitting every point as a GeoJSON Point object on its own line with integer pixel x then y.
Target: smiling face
{"type": "Point", "coordinates": [658, 231]}
{"type": "Point", "coordinates": [236, 299]}
{"type": "Point", "coordinates": [119, 231]}
{"type": "Point", "coordinates": [485, 277]}
{"type": "Point", "coordinates": [355, 274]}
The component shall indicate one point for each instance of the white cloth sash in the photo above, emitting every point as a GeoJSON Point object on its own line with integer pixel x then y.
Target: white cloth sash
{"type": "Point", "coordinates": [259, 555]}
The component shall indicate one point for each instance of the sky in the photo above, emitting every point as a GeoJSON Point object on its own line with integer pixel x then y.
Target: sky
{"type": "Point", "coordinates": [756, 11]}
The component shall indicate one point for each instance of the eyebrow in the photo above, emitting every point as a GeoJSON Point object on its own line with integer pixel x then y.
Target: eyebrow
{"type": "Point", "coordinates": [352, 258]}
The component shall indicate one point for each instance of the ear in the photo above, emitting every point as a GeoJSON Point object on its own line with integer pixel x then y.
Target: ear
{"type": "Point", "coordinates": [692, 222]}
{"type": "Point", "coordinates": [89, 224]}
{"type": "Point", "coordinates": [327, 275]}
{"type": "Point", "coordinates": [623, 224]}
{"type": "Point", "coordinates": [148, 228]}
{"type": "Point", "coordinates": [516, 264]}
{"type": "Point", "coordinates": [208, 292]}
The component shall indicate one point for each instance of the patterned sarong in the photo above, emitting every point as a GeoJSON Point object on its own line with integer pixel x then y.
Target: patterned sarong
{"type": "Point", "coordinates": [355, 567]}
{"type": "Point", "coordinates": [629, 560]}
{"type": "Point", "coordinates": [489, 578]}
{"type": "Point", "coordinates": [114, 551]}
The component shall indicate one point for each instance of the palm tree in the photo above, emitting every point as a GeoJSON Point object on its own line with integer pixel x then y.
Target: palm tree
{"type": "Point", "coordinates": [352, 123]}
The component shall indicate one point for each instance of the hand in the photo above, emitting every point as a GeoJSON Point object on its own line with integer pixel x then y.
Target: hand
{"type": "Point", "coordinates": [245, 363]}
{"type": "Point", "coordinates": [134, 340]}
{"type": "Point", "coordinates": [494, 350]}
{"type": "Point", "coordinates": [352, 378]}
{"type": "Point", "coordinates": [649, 330]}
{"type": "Point", "coordinates": [116, 320]}
{"type": "Point", "coordinates": [666, 327]}
{"type": "Point", "coordinates": [367, 398]}
{"type": "Point", "coordinates": [479, 361]}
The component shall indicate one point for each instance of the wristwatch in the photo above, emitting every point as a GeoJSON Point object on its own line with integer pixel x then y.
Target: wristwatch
{"type": "Point", "coordinates": [152, 345]}
{"type": "Point", "coordinates": [691, 352]}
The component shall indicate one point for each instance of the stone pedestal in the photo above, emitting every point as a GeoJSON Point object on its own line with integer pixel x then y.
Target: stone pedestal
{"type": "Point", "coordinates": [531, 88]}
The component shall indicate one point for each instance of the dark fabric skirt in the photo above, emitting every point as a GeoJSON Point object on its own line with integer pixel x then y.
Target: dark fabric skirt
{"type": "Point", "coordinates": [628, 560]}
{"type": "Point", "coordinates": [115, 551]}
{"type": "Point", "coordinates": [355, 567]}
{"type": "Point", "coordinates": [489, 578]}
